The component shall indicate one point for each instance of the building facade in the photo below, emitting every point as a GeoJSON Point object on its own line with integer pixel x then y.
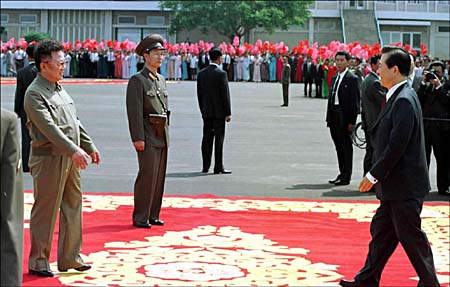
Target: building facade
{"type": "Point", "coordinates": [386, 21]}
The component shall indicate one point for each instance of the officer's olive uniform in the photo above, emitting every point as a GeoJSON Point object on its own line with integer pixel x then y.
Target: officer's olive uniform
{"type": "Point", "coordinates": [11, 202]}
{"type": "Point", "coordinates": [145, 92]}
{"type": "Point", "coordinates": [55, 133]}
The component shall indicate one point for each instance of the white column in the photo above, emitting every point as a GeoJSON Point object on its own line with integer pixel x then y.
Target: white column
{"type": "Point", "coordinates": [107, 26]}
{"type": "Point", "coordinates": [311, 30]}
{"type": "Point", "coordinates": [44, 22]}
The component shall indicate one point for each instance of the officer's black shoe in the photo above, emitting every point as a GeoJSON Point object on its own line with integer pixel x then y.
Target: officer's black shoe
{"type": "Point", "coordinates": [81, 268]}
{"type": "Point", "coordinates": [141, 224]}
{"type": "Point", "coordinates": [156, 222]}
{"type": "Point", "coordinates": [41, 273]}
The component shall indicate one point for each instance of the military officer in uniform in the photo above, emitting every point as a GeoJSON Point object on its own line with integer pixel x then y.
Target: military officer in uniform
{"type": "Point", "coordinates": [60, 148]}
{"type": "Point", "coordinates": [11, 202]}
{"type": "Point", "coordinates": [148, 119]}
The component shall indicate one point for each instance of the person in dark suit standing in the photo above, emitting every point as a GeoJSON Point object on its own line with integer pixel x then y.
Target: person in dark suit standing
{"type": "Point", "coordinates": [433, 93]}
{"type": "Point", "coordinates": [214, 102]}
{"type": "Point", "coordinates": [308, 76]}
{"type": "Point", "coordinates": [11, 202]}
{"type": "Point", "coordinates": [319, 74]}
{"type": "Point", "coordinates": [203, 60]}
{"type": "Point", "coordinates": [400, 177]}
{"type": "Point", "coordinates": [25, 76]}
{"type": "Point", "coordinates": [148, 122]}
{"type": "Point", "coordinates": [341, 115]}
{"type": "Point", "coordinates": [372, 99]}
{"type": "Point", "coordinates": [285, 80]}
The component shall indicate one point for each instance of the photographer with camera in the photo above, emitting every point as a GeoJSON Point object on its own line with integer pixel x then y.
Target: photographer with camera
{"type": "Point", "coordinates": [434, 96]}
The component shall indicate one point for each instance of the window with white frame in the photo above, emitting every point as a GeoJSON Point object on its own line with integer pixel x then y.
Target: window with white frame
{"type": "Point", "coordinates": [443, 29]}
{"type": "Point", "coordinates": [155, 21]}
{"type": "Point", "coordinates": [406, 38]}
{"type": "Point", "coordinates": [4, 18]}
{"type": "Point", "coordinates": [127, 20]}
{"type": "Point", "coordinates": [28, 19]}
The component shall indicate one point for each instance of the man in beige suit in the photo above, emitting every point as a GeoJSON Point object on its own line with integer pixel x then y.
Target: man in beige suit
{"type": "Point", "coordinates": [148, 119]}
{"type": "Point", "coordinates": [11, 202]}
{"type": "Point", "coordinates": [60, 148]}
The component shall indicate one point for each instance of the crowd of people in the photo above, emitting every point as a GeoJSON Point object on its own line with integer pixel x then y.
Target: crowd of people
{"type": "Point", "coordinates": [261, 62]}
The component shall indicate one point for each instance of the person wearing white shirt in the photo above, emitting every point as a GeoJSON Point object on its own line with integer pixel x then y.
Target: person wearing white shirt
{"type": "Point", "coordinates": [400, 177]}
{"type": "Point", "coordinates": [341, 115]}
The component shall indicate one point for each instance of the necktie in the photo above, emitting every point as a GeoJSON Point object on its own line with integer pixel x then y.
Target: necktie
{"type": "Point", "coordinates": [334, 91]}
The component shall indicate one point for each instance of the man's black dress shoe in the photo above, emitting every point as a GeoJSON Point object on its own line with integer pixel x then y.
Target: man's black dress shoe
{"type": "Point", "coordinates": [41, 273]}
{"type": "Point", "coordinates": [335, 180]}
{"type": "Point", "coordinates": [156, 222]}
{"type": "Point", "coordinates": [342, 182]}
{"type": "Point", "coordinates": [345, 283]}
{"type": "Point", "coordinates": [82, 268]}
{"type": "Point", "coordinates": [205, 171]}
{"type": "Point", "coordinates": [283, 105]}
{"type": "Point", "coordinates": [223, 171]}
{"type": "Point", "coordinates": [142, 224]}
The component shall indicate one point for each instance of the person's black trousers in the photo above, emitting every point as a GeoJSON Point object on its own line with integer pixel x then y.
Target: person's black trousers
{"type": "Point", "coordinates": [285, 94]}
{"type": "Point", "coordinates": [213, 133]}
{"type": "Point", "coordinates": [343, 143]}
{"type": "Point", "coordinates": [398, 221]}
{"type": "Point", "coordinates": [26, 141]}
{"type": "Point", "coordinates": [438, 140]}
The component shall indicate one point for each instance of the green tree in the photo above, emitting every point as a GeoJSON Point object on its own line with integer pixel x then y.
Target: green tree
{"type": "Point", "coordinates": [235, 18]}
{"type": "Point", "coordinates": [36, 36]}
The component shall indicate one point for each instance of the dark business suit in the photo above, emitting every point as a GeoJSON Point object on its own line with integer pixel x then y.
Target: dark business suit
{"type": "Point", "coordinates": [214, 102]}
{"type": "Point", "coordinates": [24, 78]}
{"type": "Point", "coordinates": [285, 80]}
{"type": "Point", "coordinates": [339, 117]}
{"type": "Point", "coordinates": [435, 105]}
{"type": "Point", "coordinates": [203, 61]}
{"type": "Point", "coordinates": [400, 166]}
{"type": "Point", "coordinates": [308, 77]}
{"type": "Point", "coordinates": [318, 77]}
{"type": "Point", "coordinates": [11, 202]}
{"type": "Point", "coordinates": [372, 97]}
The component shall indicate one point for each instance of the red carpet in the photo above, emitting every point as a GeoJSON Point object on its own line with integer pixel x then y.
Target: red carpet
{"type": "Point", "coordinates": [210, 241]}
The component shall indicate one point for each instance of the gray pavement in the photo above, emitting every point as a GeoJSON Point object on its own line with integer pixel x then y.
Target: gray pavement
{"type": "Point", "coordinates": [272, 151]}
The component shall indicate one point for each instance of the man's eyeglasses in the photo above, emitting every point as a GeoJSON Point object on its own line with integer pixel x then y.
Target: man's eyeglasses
{"type": "Point", "coordinates": [60, 64]}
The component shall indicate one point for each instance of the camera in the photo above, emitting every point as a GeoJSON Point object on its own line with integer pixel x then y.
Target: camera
{"type": "Point", "coordinates": [430, 75]}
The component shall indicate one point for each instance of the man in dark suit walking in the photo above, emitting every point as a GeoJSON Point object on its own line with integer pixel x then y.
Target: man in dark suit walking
{"type": "Point", "coordinates": [308, 76]}
{"type": "Point", "coordinates": [372, 99]}
{"type": "Point", "coordinates": [214, 102]}
{"type": "Point", "coordinates": [341, 115]}
{"type": "Point", "coordinates": [11, 202]}
{"type": "Point", "coordinates": [25, 76]}
{"type": "Point", "coordinates": [400, 177]}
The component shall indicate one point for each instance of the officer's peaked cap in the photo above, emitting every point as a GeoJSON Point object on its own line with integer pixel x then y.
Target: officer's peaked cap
{"type": "Point", "coordinates": [151, 42]}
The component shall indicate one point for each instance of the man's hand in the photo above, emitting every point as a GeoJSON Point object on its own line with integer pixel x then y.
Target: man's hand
{"type": "Point", "coordinates": [365, 185]}
{"type": "Point", "coordinates": [80, 159]}
{"type": "Point", "coordinates": [95, 157]}
{"type": "Point", "coordinates": [228, 119]}
{"type": "Point", "coordinates": [139, 145]}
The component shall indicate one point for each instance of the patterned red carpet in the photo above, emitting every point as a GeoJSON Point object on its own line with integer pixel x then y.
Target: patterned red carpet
{"type": "Point", "coordinates": [210, 241]}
